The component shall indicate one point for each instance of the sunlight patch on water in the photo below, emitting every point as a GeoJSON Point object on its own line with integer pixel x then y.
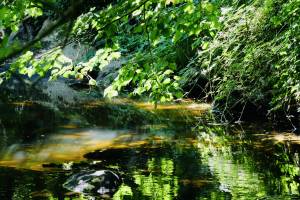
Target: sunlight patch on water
{"type": "Point", "coordinates": [23, 103]}
{"type": "Point", "coordinates": [67, 146]}
{"type": "Point", "coordinates": [279, 137]}
{"type": "Point", "coordinates": [184, 105]}
{"type": "Point", "coordinates": [70, 143]}
{"type": "Point", "coordinates": [69, 126]}
{"type": "Point", "coordinates": [201, 107]}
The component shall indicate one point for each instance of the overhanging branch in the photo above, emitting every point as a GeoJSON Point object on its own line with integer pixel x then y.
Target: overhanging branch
{"type": "Point", "coordinates": [70, 14]}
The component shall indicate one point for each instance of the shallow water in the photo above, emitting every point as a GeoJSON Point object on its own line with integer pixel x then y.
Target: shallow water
{"type": "Point", "coordinates": [174, 152]}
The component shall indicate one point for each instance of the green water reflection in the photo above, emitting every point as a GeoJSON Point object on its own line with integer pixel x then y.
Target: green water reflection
{"type": "Point", "coordinates": [174, 152]}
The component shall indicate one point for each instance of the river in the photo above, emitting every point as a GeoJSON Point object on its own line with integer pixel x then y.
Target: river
{"type": "Point", "coordinates": [177, 151]}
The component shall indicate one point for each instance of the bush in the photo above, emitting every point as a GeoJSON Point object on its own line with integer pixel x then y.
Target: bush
{"type": "Point", "coordinates": [254, 59]}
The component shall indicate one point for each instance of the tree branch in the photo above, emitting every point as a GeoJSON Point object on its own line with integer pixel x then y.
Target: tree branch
{"type": "Point", "coordinates": [68, 15]}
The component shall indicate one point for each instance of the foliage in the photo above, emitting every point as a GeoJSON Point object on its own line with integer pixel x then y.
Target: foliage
{"type": "Point", "coordinates": [254, 58]}
{"type": "Point", "coordinates": [247, 50]}
{"type": "Point", "coordinates": [146, 33]}
{"type": "Point", "coordinates": [151, 67]}
{"type": "Point", "coordinates": [13, 13]}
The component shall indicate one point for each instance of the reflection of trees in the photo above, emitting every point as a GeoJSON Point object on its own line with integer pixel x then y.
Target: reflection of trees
{"type": "Point", "coordinates": [174, 173]}
{"type": "Point", "coordinates": [25, 123]}
{"type": "Point", "coordinates": [287, 160]}
{"type": "Point", "coordinates": [247, 168]}
{"type": "Point", "coordinates": [27, 185]}
{"type": "Point", "coordinates": [208, 163]}
{"type": "Point", "coordinates": [161, 184]}
{"type": "Point", "coordinates": [236, 177]}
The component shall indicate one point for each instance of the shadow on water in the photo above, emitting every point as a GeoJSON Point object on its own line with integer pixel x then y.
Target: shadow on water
{"type": "Point", "coordinates": [174, 152]}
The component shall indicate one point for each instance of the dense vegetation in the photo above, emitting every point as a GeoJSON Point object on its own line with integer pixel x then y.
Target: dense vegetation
{"type": "Point", "coordinates": [239, 54]}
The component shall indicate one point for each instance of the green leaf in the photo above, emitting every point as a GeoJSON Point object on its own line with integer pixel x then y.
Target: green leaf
{"type": "Point", "coordinates": [92, 82]}
{"type": "Point", "coordinates": [168, 72]}
{"type": "Point", "coordinates": [179, 94]}
{"type": "Point", "coordinates": [167, 81]}
{"type": "Point", "coordinates": [110, 92]}
{"type": "Point", "coordinates": [205, 45]}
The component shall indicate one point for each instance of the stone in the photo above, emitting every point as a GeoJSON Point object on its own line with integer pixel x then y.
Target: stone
{"type": "Point", "coordinates": [101, 183]}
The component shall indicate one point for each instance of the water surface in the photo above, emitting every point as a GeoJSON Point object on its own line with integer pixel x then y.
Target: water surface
{"type": "Point", "coordinates": [174, 152]}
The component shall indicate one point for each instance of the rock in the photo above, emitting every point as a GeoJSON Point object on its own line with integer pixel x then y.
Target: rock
{"type": "Point", "coordinates": [101, 183]}
{"type": "Point", "coordinates": [59, 92]}
{"type": "Point", "coordinates": [108, 74]}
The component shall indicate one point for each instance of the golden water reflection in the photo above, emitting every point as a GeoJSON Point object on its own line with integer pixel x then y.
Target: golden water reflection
{"type": "Point", "coordinates": [68, 146]}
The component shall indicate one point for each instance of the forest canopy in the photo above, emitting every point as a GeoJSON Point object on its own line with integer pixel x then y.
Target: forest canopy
{"type": "Point", "coordinates": [238, 54]}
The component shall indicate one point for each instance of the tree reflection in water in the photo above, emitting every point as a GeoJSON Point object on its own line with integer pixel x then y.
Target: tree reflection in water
{"type": "Point", "coordinates": [163, 154]}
